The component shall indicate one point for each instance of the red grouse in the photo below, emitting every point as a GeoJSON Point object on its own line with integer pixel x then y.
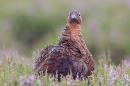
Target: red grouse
{"type": "Point", "coordinates": [69, 55]}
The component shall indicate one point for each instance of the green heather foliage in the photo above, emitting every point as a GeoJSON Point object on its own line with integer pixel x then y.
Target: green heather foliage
{"type": "Point", "coordinates": [28, 29]}
{"type": "Point", "coordinates": [16, 70]}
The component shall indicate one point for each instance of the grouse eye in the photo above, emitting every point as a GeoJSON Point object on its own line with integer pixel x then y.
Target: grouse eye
{"type": "Point", "coordinates": [79, 15]}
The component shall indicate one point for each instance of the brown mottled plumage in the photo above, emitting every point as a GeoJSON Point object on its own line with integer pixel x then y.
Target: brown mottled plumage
{"type": "Point", "coordinates": [70, 54]}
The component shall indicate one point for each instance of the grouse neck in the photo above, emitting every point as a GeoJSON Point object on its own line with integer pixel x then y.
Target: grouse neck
{"type": "Point", "coordinates": [75, 29]}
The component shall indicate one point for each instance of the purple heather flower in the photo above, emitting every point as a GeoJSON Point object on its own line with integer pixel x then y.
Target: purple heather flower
{"type": "Point", "coordinates": [126, 77]}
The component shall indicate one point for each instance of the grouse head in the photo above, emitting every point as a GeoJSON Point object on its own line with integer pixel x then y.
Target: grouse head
{"type": "Point", "coordinates": [74, 17]}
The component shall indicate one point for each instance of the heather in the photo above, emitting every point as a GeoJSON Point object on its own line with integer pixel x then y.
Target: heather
{"type": "Point", "coordinates": [16, 70]}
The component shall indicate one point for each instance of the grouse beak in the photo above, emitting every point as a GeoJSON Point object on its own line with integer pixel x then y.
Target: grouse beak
{"type": "Point", "coordinates": [74, 16]}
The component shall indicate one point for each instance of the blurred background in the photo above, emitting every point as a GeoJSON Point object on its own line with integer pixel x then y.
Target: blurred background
{"type": "Point", "coordinates": [28, 25]}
